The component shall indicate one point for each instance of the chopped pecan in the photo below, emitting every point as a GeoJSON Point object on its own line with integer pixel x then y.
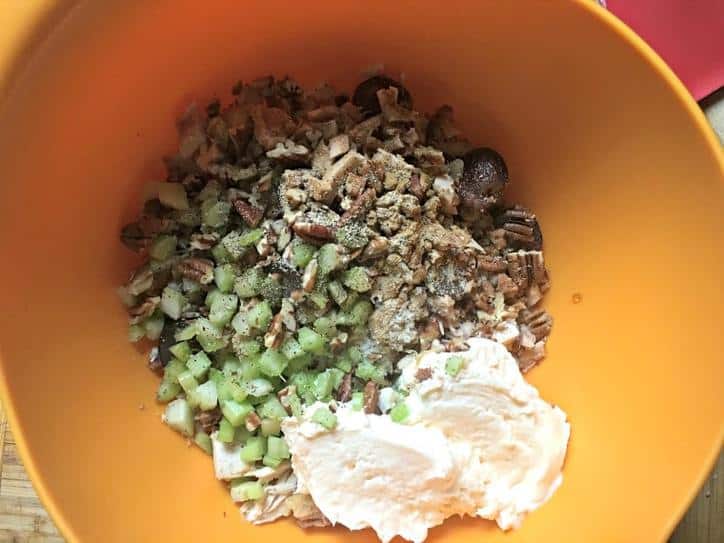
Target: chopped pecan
{"type": "Point", "coordinates": [252, 421]}
{"type": "Point", "coordinates": [337, 344]}
{"type": "Point", "coordinates": [529, 358]}
{"type": "Point", "coordinates": [271, 125]}
{"type": "Point", "coordinates": [376, 248]}
{"type": "Point", "coordinates": [317, 234]}
{"type": "Point", "coordinates": [275, 333]}
{"type": "Point", "coordinates": [423, 374]}
{"type": "Point", "coordinates": [200, 270]}
{"type": "Point", "coordinates": [318, 520]}
{"type": "Point", "coordinates": [203, 242]}
{"type": "Point", "coordinates": [309, 279]}
{"type": "Point", "coordinates": [360, 206]}
{"type": "Point", "coordinates": [141, 281]}
{"type": "Point", "coordinates": [344, 392]}
{"type": "Point", "coordinates": [338, 146]}
{"type": "Point", "coordinates": [370, 397]}
{"type": "Point", "coordinates": [209, 420]}
{"type": "Point", "coordinates": [325, 189]}
{"type": "Point", "coordinates": [249, 213]}
{"type": "Point", "coordinates": [521, 227]}
{"type": "Point", "coordinates": [538, 320]}
{"type": "Point", "coordinates": [527, 268]}
{"type": "Point", "coordinates": [507, 286]}
{"type": "Point", "coordinates": [144, 309]}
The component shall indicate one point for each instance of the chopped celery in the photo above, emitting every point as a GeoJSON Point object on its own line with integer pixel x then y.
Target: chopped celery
{"type": "Point", "coordinates": [221, 254]}
{"type": "Point", "coordinates": [173, 369]}
{"type": "Point", "coordinates": [230, 364]}
{"type": "Point", "coordinates": [400, 412]}
{"type": "Point", "coordinates": [226, 431]}
{"type": "Point", "coordinates": [224, 277]}
{"type": "Point", "coordinates": [260, 315]}
{"type": "Point", "coordinates": [244, 491]}
{"type": "Point", "coordinates": [357, 279]}
{"type": "Point", "coordinates": [453, 365]}
{"type": "Point", "coordinates": [295, 404]}
{"type": "Point", "coordinates": [271, 461]}
{"type": "Point", "coordinates": [323, 385]}
{"type": "Point", "coordinates": [337, 292]}
{"type": "Point", "coordinates": [206, 395]}
{"type": "Point", "coordinates": [369, 372]}
{"type": "Point", "coordinates": [247, 348]}
{"type": "Point", "coordinates": [187, 381]}
{"type": "Point", "coordinates": [216, 376]}
{"type": "Point", "coordinates": [163, 247]}
{"type": "Point", "coordinates": [249, 368]}
{"type": "Point", "coordinates": [352, 298]}
{"type": "Point", "coordinates": [277, 448]}
{"type": "Point", "coordinates": [336, 376]}
{"type": "Point", "coordinates": [203, 440]}
{"type": "Point", "coordinates": [181, 350]}
{"type": "Point", "coordinates": [272, 291]}
{"type": "Point", "coordinates": [361, 311]}
{"type": "Point", "coordinates": [319, 299]}
{"type": "Point", "coordinates": [222, 309]}
{"type": "Point", "coordinates": [241, 434]}
{"type": "Point", "coordinates": [250, 237]}
{"type": "Point", "coordinates": [209, 336]}
{"type": "Point", "coordinates": [189, 332]}
{"type": "Point", "coordinates": [325, 418]}
{"type": "Point", "coordinates": [136, 332]}
{"type": "Point", "coordinates": [310, 340]}
{"type": "Point", "coordinates": [231, 242]}
{"type": "Point", "coordinates": [241, 325]}
{"type": "Point", "coordinates": [253, 450]}
{"type": "Point", "coordinates": [344, 364]}
{"type": "Point", "coordinates": [173, 195]}
{"type": "Point", "coordinates": [258, 387]}
{"type": "Point", "coordinates": [153, 326]}
{"type": "Point", "coordinates": [172, 302]}
{"type": "Point", "coordinates": [302, 253]}
{"type": "Point", "coordinates": [291, 348]}
{"type": "Point", "coordinates": [299, 363]}
{"type": "Point", "coordinates": [328, 259]}
{"type": "Point", "coordinates": [167, 391]}
{"type": "Point", "coordinates": [270, 427]}
{"type": "Point", "coordinates": [229, 389]}
{"type": "Point", "coordinates": [211, 297]}
{"type": "Point", "coordinates": [215, 214]}
{"type": "Point", "coordinates": [198, 364]}
{"type": "Point", "coordinates": [304, 382]}
{"type": "Point", "coordinates": [211, 191]}
{"type": "Point", "coordinates": [325, 326]}
{"type": "Point", "coordinates": [272, 408]}
{"type": "Point", "coordinates": [180, 417]}
{"type": "Point", "coordinates": [236, 412]}
{"type": "Point", "coordinates": [272, 363]}
{"type": "Point", "coordinates": [357, 401]}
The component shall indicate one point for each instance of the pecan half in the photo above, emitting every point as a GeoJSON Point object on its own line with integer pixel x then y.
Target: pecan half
{"type": "Point", "coordinates": [521, 227]}
{"type": "Point", "coordinates": [370, 396]}
{"type": "Point", "coordinates": [203, 242]}
{"type": "Point", "coordinates": [209, 420]}
{"type": "Point", "coordinates": [317, 234]}
{"type": "Point", "coordinates": [249, 213]}
{"type": "Point", "coordinates": [200, 270]}
{"type": "Point", "coordinates": [538, 320]}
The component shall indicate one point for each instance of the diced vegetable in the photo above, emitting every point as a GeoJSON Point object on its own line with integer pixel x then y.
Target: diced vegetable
{"type": "Point", "coordinates": [270, 427]}
{"type": "Point", "coordinates": [249, 368]}
{"type": "Point", "coordinates": [271, 461]}
{"type": "Point", "coordinates": [328, 258]}
{"type": "Point", "coordinates": [241, 325]}
{"type": "Point", "coordinates": [249, 283]}
{"type": "Point", "coordinates": [221, 254]}
{"type": "Point", "coordinates": [357, 401]}
{"type": "Point", "coordinates": [358, 314]}
{"type": "Point", "coordinates": [272, 408]}
{"type": "Point", "coordinates": [336, 375]}
{"type": "Point", "coordinates": [181, 350]}
{"type": "Point", "coordinates": [302, 253]}
{"type": "Point", "coordinates": [163, 247]}
{"type": "Point", "coordinates": [250, 237]}
{"type": "Point", "coordinates": [216, 376]}
{"type": "Point", "coordinates": [260, 315]}
{"type": "Point", "coordinates": [258, 387]}
{"type": "Point", "coordinates": [211, 297]}
{"type": "Point", "coordinates": [400, 412]}
{"type": "Point", "coordinates": [203, 440]}
{"type": "Point", "coordinates": [453, 365]}
{"type": "Point", "coordinates": [337, 292]}
{"type": "Point", "coordinates": [189, 332]}
{"type": "Point", "coordinates": [173, 195]}
{"type": "Point", "coordinates": [357, 279]}
{"type": "Point", "coordinates": [198, 364]}
{"type": "Point", "coordinates": [272, 363]}
{"type": "Point", "coordinates": [167, 391]}
{"type": "Point", "coordinates": [187, 381]}
{"type": "Point", "coordinates": [224, 277]}
{"type": "Point", "coordinates": [136, 332]}
{"type": "Point", "coordinates": [209, 336]}
{"type": "Point", "coordinates": [172, 302]}
{"type": "Point", "coordinates": [247, 347]}
{"type": "Point", "coordinates": [325, 327]}
{"type": "Point", "coordinates": [180, 417]}
{"type": "Point", "coordinates": [291, 348]}
{"type": "Point", "coordinates": [254, 449]}
{"type": "Point", "coordinates": [323, 385]}
{"type": "Point", "coordinates": [236, 412]}
{"type": "Point", "coordinates": [223, 309]}
{"type": "Point", "coordinates": [231, 390]}
{"type": "Point", "coordinates": [369, 372]}
{"type": "Point", "coordinates": [325, 418]}
{"type": "Point", "coordinates": [310, 340]}
{"type": "Point", "coordinates": [211, 191]}
{"type": "Point", "coordinates": [319, 299]}
{"type": "Point", "coordinates": [173, 369]}
{"type": "Point", "coordinates": [215, 214]}
{"type": "Point", "coordinates": [277, 448]}
{"type": "Point", "coordinates": [244, 491]}
{"type": "Point", "coordinates": [153, 326]}
{"type": "Point", "coordinates": [206, 395]}
{"type": "Point", "coordinates": [226, 431]}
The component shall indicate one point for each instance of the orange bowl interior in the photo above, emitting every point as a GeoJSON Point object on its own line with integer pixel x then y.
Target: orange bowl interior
{"type": "Point", "coordinates": [601, 141]}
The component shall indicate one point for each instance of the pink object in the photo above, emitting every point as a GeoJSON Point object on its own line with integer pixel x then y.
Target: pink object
{"type": "Point", "coordinates": [688, 34]}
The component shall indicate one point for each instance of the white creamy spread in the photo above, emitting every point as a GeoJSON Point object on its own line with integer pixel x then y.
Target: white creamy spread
{"type": "Point", "coordinates": [481, 443]}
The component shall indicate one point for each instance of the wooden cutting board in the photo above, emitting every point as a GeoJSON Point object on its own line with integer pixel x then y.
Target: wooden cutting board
{"type": "Point", "coordinates": [24, 520]}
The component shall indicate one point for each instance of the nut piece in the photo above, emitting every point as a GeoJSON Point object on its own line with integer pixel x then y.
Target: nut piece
{"type": "Point", "coordinates": [209, 420]}
{"type": "Point", "coordinates": [251, 214]}
{"type": "Point", "coordinates": [309, 279]}
{"type": "Point", "coordinates": [365, 95]}
{"type": "Point", "coordinates": [317, 234]}
{"type": "Point", "coordinates": [338, 146]}
{"type": "Point", "coordinates": [252, 421]}
{"type": "Point", "coordinates": [144, 309]}
{"type": "Point", "coordinates": [423, 374]}
{"type": "Point", "coordinates": [484, 178]}
{"type": "Point", "coordinates": [324, 190]}
{"type": "Point", "coordinates": [521, 228]}
{"type": "Point", "coordinates": [203, 242]}
{"type": "Point", "coordinates": [200, 270]}
{"type": "Point", "coordinates": [275, 333]}
{"type": "Point", "coordinates": [344, 393]}
{"type": "Point", "coordinates": [370, 397]}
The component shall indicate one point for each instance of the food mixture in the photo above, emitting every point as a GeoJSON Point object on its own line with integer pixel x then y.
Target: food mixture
{"type": "Point", "coordinates": [343, 305]}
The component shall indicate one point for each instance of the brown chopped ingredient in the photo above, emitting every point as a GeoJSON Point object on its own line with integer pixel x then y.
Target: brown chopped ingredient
{"type": "Point", "coordinates": [144, 309]}
{"type": "Point", "coordinates": [209, 420]}
{"type": "Point", "coordinates": [423, 373]}
{"type": "Point", "coordinates": [359, 207]}
{"type": "Point", "coordinates": [154, 361]}
{"type": "Point", "coordinates": [252, 421]}
{"type": "Point", "coordinates": [344, 392]}
{"type": "Point", "coordinates": [313, 233]}
{"type": "Point", "coordinates": [275, 334]}
{"type": "Point", "coordinates": [250, 214]}
{"type": "Point", "coordinates": [538, 320]}
{"type": "Point", "coordinates": [200, 270]}
{"type": "Point", "coordinates": [202, 241]}
{"type": "Point", "coordinates": [366, 98]}
{"type": "Point", "coordinates": [521, 228]}
{"type": "Point", "coordinates": [370, 397]}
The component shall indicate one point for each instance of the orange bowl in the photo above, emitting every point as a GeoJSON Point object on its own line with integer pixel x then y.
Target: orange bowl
{"type": "Point", "coordinates": [601, 141]}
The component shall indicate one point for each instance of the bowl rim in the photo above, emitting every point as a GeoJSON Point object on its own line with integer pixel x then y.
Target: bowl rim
{"type": "Point", "coordinates": [40, 19]}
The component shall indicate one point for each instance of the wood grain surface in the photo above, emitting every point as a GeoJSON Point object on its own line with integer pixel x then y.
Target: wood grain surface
{"type": "Point", "coordinates": [24, 520]}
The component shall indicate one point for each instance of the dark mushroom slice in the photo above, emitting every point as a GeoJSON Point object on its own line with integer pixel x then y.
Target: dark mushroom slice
{"type": "Point", "coordinates": [484, 178]}
{"type": "Point", "coordinates": [522, 230]}
{"type": "Point", "coordinates": [365, 95]}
